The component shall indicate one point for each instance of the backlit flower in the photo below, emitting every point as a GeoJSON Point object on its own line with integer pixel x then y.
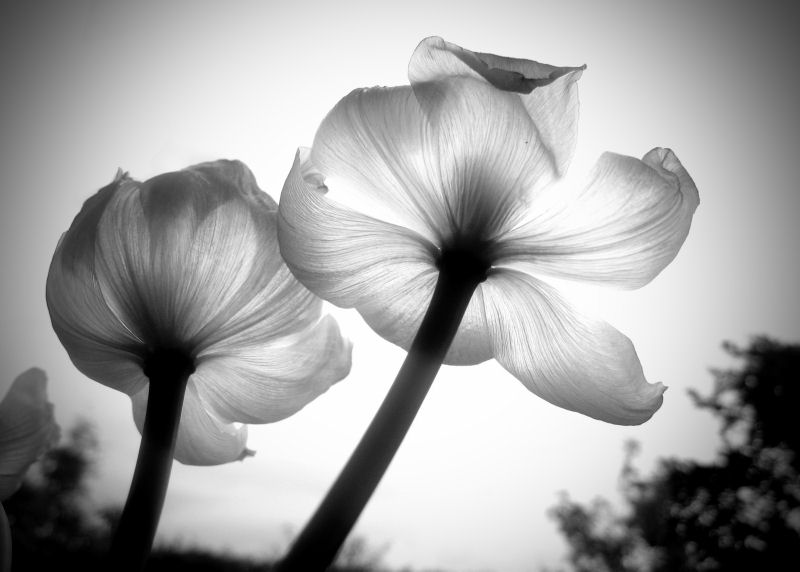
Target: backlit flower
{"type": "Point", "coordinates": [461, 164]}
{"type": "Point", "coordinates": [187, 264]}
{"type": "Point", "coordinates": [27, 428]}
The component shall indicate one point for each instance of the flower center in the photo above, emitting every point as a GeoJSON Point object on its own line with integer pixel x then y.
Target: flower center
{"type": "Point", "coordinates": [168, 363]}
{"type": "Point", "coordinates": [467, 263]}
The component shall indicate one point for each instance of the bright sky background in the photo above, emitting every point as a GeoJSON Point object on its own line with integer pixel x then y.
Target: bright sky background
{"type": "Point", "coordinates": [91, 86]}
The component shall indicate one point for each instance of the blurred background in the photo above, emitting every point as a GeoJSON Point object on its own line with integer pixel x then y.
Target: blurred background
{"type": "Point", "coordinates": [490, 477]}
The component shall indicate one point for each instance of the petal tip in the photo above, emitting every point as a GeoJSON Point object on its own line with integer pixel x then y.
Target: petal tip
{"type": "Point", "coordinates": [432, 41]}
{"type": "Point", "coordinates": [665, 159]}
{"type": "Point", "coordinates": [245, 454]}
{"type": "Point", "coordinates": [29, 387]}
{"type": "Point", "coordinates": [652, 400]}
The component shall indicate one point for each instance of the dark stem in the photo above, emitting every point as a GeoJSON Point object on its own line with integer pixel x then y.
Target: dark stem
{"type": "Point", "coordinates": [168, 372]}
{"type": "Point", "coordinates": [323, 536]}
{"type": "Point", "coordinates": [5, 541]}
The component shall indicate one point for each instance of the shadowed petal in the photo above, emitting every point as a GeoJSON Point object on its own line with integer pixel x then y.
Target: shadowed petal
{"type": "Point", "coordinates": [622, 229]}
{"type": "Point", "coordinates": [267, 383]}
{"type": "Point", "coordinates": [569, 359]}
{"type": "Point", "coordinates": [99, 345]}
{"type": "Point", "coordinates": [271, 303]}
{"type": "Point", "coordinates": [186, 258]}
{"type": "Point", "coordinates": [27, 428]}
{"type": "Point", "coordinates": [548, 93]}
{"type": "Point", "coordinates": [385, 271]}
{"type": "Point", "coordinates": [97, 341]}
{"type": "Point", "coordinates": [203, 437]}
{"type": "Point", "coordinates": [178, 255]}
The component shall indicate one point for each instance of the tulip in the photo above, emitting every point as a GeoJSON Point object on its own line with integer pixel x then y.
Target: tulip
{"type": "Point", "coordinates": [433, 210]}
{"type": "Point", "coordinates": [27, 430]}
{"type": "Point", "coordinates": [173, 291]}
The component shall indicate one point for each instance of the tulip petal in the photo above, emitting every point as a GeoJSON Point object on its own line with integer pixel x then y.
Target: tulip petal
{"type": "Point", "coordinates": [27, 428]}
{"type": "Point", "coordinates": [267, 383]}
{"type": "Point", "coordinates": [203, 437]}
{"type": "Point", "coordinates": [409, 301]}
{"type": "Point", "coordinates": [460, 169]}
{"type": "Point", "coordinates": [569, 359]}
{"type": "Point", "coordinates": [342, 255]}
{"type": "Point", "coordinates": [373, 152]}
{"type": "Point", "coordinates": [184, 254]}
{"type": "Point", "coordinates": [385, 271]}
{"type": "Point", "coordinates": [490, 154]}
{"type": "Point", "coordinates": [549, 93]}
{"type": "Point", "coordinates": [621, 230]}
{"type": "Point", "coordinates": [272, 303]}
{"type": "Point", "coordinates": [98, 343]}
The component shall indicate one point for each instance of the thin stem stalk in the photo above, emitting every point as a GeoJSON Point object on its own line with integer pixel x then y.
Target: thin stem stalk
{"type": "Point", "coordinates": [317, 545]}
{"type": "Point", "coordinates": [5, 541]}
{"type": "Point", "coordinates": [133, 538]}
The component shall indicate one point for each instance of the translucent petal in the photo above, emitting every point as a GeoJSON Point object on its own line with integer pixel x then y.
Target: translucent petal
{"type": "Point", "coordinates": [397, 318]}
{"type": "Point", "coordinates": [203, 438]}
{"type": "Point", "coordinates": [185, 259]}
{"type": "Point", "coordinates": [269, 382]}
{"type": "Point", "coordinates": [385, 271]}
{"type": "Point", "coordinates": [548, 93]}
{"type": "Point", "coordinates": [374, 153]}
{"type": "Point", "coordinates": [27, 428]}
{"type": "Point", "coordinates": [569, 359]}
{"type": "Point", "coordinates": [270, 303]}
{"type": "Point", "coordinates": [338, 253]}
{"type": "Point", "coordinates": [179, 255]}
{"type": "Point", "coordinates": [456, 174]}
{"type": "Point", "coordinates": [490, 158]}
{"type": "Point", "coordinates": [97, 342]}
{"type": "Point", "coordinates": [621, 229]}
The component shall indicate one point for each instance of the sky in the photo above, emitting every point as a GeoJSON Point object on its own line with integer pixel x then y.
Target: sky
{"type": "Point", "coordinates": [150, 87]}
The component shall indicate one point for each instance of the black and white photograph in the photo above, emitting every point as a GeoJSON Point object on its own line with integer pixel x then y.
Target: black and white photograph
{"type": "Point", "coordinates": [418, 286]}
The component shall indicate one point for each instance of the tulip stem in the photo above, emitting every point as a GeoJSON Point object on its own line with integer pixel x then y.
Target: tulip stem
{"type": "Point", "coordinates": [317, 545]}
{"type": "Point", "coordinates": [168, 373]}
{"type": "Point", "coordinates": [5, 541]}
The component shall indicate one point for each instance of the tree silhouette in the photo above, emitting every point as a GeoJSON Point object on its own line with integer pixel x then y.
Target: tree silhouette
{"type": "Point", "coordinates": [741, 512]}
{"type": "Point", "coordinates": [52, 520]}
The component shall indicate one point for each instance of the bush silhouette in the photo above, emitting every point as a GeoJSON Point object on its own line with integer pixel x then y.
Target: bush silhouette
{"type": "Point", "coordinates": [741, 512]}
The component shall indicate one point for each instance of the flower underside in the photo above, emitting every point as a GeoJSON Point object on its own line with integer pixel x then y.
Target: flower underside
{"type": "Point", "coordinates": [462, 173]}
{"type": "Point", "coordinates": [433, 210]}
{"type": "Point", "coordinates": [468, 262]}
{"type": "Point", "coordinates": [168, 363]}
{"type": "Point", "coordinates": [177, 280]}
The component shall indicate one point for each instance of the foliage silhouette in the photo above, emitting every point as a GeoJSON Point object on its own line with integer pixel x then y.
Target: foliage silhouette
{"type": "Point", "coordinates": [52, 521]}
{"type": "Point", "coordinates": [741, 512]}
